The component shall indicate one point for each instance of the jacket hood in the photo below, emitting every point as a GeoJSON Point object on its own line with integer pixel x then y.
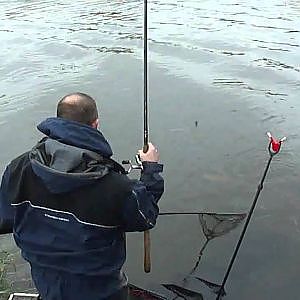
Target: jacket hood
{"type": "Point", "coordinates": [75, 134]}
{"type": "Point", "coordinates": [72, 155]}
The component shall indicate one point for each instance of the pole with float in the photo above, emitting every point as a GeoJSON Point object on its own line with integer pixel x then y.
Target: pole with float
{"type": "Point", "coordinates": [273, 149]}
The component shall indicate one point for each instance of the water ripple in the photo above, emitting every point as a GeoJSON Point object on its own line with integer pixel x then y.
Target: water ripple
{"type": "Point", "coordinates": [240, 84]}
{"type": "Point", "coordinates": [277, 43]}
{"type": "Point", "coordinates": [271, 63]}
{"type": "Point", "coordinates": [194, 31]}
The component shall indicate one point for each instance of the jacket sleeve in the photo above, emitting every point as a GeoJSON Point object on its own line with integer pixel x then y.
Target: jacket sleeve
{"type": "Point", "coordinates": [6, 210]}
{"type": "Point", "coordinates": [140, 209]}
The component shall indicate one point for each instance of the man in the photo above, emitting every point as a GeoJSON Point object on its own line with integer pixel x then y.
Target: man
{"type": "Point", "coordinates": [69, 206]}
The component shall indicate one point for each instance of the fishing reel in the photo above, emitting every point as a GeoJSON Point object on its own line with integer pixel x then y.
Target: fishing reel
{"type": "Point", "coordinates": [132, 166]}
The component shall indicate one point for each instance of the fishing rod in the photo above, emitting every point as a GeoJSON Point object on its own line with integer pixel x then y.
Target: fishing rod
{"type": "Point", "coordinates": [273, 149]}
{"type": "Point", "coordinates": [147, 245]}
{"type": "Point", "coordinates": [147, 257]}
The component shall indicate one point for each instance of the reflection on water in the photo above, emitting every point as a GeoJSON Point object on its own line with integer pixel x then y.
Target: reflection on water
{"type": "Point", "coordinates": [231, 67]}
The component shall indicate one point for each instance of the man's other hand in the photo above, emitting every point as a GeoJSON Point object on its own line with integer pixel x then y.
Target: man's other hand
{"type": "Point", "coordinates": [151, 155]}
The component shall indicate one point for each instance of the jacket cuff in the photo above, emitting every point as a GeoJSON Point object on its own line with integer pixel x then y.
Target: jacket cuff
{"type": "Point", "coordinates": [152, 167]}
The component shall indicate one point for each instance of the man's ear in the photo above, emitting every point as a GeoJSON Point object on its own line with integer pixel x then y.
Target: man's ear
{"type": "Point", "coordinates": [95, 124]}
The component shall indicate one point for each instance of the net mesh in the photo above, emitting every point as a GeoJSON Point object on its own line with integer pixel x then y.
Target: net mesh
{"type": "Point", "coordinates": [215, 225]}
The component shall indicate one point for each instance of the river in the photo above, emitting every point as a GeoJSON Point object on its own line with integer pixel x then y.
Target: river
{"type": "Point", "coordinates": [221, 74]}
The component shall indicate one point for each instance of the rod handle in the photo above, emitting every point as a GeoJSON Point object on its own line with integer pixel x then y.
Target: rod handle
{"type": "Point", "coordinates": [147, 252]}
{"type": "Point", "coordinates": [147, 242]}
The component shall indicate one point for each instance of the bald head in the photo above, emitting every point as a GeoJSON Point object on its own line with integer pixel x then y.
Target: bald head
{"type": "Point", "coordinates": [78, 107]}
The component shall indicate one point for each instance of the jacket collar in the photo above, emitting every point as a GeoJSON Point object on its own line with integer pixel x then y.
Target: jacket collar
{"type": "Point", "coordinates": [76, 134]}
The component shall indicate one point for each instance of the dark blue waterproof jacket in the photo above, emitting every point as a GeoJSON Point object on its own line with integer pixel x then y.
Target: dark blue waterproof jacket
{"type": "Point", "coordinates": [69, 205]}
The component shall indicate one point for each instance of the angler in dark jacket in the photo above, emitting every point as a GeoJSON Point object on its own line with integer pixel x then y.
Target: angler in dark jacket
{"type": "Point", "coordinates": [69, 205]}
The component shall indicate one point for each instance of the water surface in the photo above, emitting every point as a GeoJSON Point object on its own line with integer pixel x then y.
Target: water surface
{"type": "Point", "coordinates": [233, 66]}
